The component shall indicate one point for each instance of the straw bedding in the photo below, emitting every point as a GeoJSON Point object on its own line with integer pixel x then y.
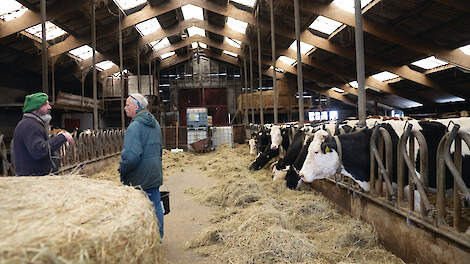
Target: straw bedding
{"type": "Point", "coordinates": [261, 221]}
{"type": "Point", "coordinates": [69, 219]}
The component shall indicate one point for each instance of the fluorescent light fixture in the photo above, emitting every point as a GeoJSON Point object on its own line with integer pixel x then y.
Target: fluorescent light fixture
{"type": "Point", "coordinates": [429, 63]}
{"type": "Point", "coordinates": [192, 11]}
{"type": "Point", "coordinates": [104, 65]}
{"type": "Point", "coordinates": [196, 31]}
{"type": "Point", "coordinates": [384, 76]}
{"type": "Point", "coordinates": [203, 45]}
{"type": "Point", "coordinates": [337, 90]}
{"type": "Point", "coordinates": [10, 9]}
{"type": "Point", "coordinates": [450, 99]}
{"type": "Point", "coordinates": [304, 47]}
{"type": "Point", "coordinates": [167, 55]}
{"type": "Point", "coordinates": [147, 27]}
{"type": "Point", "coordinates": [128, 4]}
{"type": "Point", "coordinates": [233, 42]}
{"type": "Point", "coordinates": [250, 3]}
{"type": "Point", "coordinates": [277, 69]}
{"type": "Point", "coordinates": [325, 25]}
{"type": "Point", "coordinates": [236, 25]}
{"type": "Point", "coordinates": [348, 5]}
{"type": "Point", "coordinates": [84, 52]}
{"type": "Point", "coordinates": [354, 84]}
{"type": "Point", "coordinates": [465, 49]}
{"type": "Point", "coordinates": [287, 60]}
{"type": "Point", "coordinates": [194, 45]}
{"type": "Point", "coordinates": [158, 45]}
{"type": "Point", "coordinates": [230, 53]}
{"type": "Point", "coordinates": [52, 31]}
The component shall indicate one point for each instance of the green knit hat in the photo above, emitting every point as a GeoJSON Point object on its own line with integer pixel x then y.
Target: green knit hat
{"type": "Point", "coordinates": [34, 101]}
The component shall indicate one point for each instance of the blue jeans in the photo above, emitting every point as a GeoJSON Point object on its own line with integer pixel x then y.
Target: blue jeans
{"type": "Point", "coordinates": [154, 195]}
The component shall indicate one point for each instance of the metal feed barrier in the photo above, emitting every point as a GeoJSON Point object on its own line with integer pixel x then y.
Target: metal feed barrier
{"type": "Point", "coordinates": [89, 147]}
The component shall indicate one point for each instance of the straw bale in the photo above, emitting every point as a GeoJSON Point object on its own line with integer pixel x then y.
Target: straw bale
{"type": "Point", "coordinates": [70, 219]}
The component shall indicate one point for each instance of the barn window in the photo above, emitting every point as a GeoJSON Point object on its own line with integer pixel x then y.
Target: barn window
{"type": "Point", "coordinates": [233, 42]}
{"type": "Point", "coordinates": [250, 3]}
{"type": "Point", "coordinates": [52, 31]}
{"type": "Point", "coordinates": [158, 45]}
{"type": "Point", "coordinates": [236, 25]}
{"type": "Point", "coordinates": [147, 27]}
{"type": "Point", "coordinates": [192, 31]}
{"type": "Point", "coordinates": [11, 9]}
{"type": "Point", "coordinates": [105, 65]}
{"type": "Point", "coordinates": [230, 53]}
{"type": "Point", "coordinates": [191, 11]}
{"type": "Point", "coordinates": [82, 53]}
{"type": "Point", "coordinates": [465, 49]}
{"type": "Point", "coordinates": [167, 55]}
{"type": "Point", "coordinates": [287, 60]}
{"type": "Point", "coordinates": [128, 4]}
{"type": "Point", "coordinates": [348, 5]}
{"type": "Point", "coordinates": [304, 47]}
{"type": "Point", "coordinates": [325, 25]}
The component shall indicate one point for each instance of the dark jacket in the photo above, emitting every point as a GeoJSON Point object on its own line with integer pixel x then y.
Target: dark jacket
{"type": "Point", "coordinates": [141, 159]}
{"type": "Point", "coordinates": [32, 147]}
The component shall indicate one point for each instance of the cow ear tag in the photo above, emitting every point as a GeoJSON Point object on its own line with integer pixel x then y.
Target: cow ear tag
{"type": "Point", "coordinates": [327, 149]}
{"type": "Point", "coordinates": [267, 156]}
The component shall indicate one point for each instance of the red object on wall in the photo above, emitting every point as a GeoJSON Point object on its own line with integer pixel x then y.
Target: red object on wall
{"type": "Point", "coordinates": [215, 100]}
{"type": "Point", "coordinates": [71, 124]}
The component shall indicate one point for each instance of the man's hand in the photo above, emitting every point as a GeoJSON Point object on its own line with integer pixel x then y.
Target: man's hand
{"type": "Point", "coordinates": [69, 138]}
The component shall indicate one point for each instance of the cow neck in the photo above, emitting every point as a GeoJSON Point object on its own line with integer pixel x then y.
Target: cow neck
{"type": "Point", "coordinates": [340, 154]}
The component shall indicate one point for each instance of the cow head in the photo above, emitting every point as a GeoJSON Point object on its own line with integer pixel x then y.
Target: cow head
{"type": "Point", "coordinates": [276, 137]}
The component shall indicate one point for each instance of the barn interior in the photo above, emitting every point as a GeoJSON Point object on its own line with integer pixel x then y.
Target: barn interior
{"type": "Point", "coordinates": [216, 71]}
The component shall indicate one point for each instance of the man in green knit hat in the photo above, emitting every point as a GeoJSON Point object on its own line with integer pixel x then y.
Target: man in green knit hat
{"type": "Point", "coordinates": [32, 147]}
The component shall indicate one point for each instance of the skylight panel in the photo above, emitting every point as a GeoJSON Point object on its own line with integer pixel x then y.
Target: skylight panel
{"type": "Point", "coordinates": [287, 60]}
{"type": "Point", "coordinates": [167, 55]}
{"type": "Point", "coordinates": [104, 65]}
{"type": "Point", "coordinates": [384, 76]}
{"type": "Point", "coordinates": [194, 45]}
{"type": "Point", "coordinates": [304, 47]}
{"type": "Point", "coordinates": [203, 45]}
{"type": "Point", "coordinates": [325, 25]}
{"type": "Point", "coordinates": [52, 31]}
{"type": "Point", "coordinates": [450, 99]}
{"type": "Point", "coordinates": [465, 49]}
{"type": "Point", "coordinates": [196, 31]}
{"type": "Point", "coordinates": [158, 45]}
{"type": "Point", "coordinates": [336, 89]}
{"type": "Point", "coordinates": [236, 25]}
{"type": "Point", "coordinates": [233, 42]}
{"type": "Point", "coordinates": [192, 11]}
{"type": "Point", "coordinates": [84, 52]}
{"type": "Point", "coordinates": [250, 3]}
{"type": "Point", "coordinates": [348, 5]}
{"type": "Point", "coordinates": [147, 27]}
{"type": "Point", "coordinates": [128, 4]}
{"type": "Point", "coordinates": [277, 69]}
{"type": "Point", "coordinates": [10, 10]}
{"type": "Point", "coordinates": [429, 63]}
{"type": "Point", "coordinates": [230, 53]}
{"type": "Point", "coordinates": [354, 84]}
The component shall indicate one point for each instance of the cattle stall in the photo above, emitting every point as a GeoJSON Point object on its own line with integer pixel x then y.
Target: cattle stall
{"type": "Point", "coordinates": [424, 223]}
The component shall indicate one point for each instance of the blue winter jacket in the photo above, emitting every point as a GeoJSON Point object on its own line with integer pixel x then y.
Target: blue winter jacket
{"type": "Point", "coordinates": [32, 147]}
{"type": "Point", "coordinates": [141, 158]}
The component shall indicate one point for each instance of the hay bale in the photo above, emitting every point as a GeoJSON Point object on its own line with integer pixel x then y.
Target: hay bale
{"type": "Point", "coordinates": [69, 219]}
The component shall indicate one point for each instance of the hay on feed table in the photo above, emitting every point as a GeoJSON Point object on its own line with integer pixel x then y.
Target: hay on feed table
{"type": "Point", "coordinates": [69, 219]}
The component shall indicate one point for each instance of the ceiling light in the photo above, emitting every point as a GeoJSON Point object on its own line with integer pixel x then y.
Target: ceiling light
{"type": "Point", "coordinates": [233, 42]}
{"type": "Point", "coordinates": [250, 3]}
{"type": "Point", "coordinates": [128, 4]}
{"type": "Point", "coordinates": [158, 45]}
{"type": "Point", "coordinates": [337, 90]}
{"type": "Point", "coordinates": [236, 25]}
{"type": "Point", "coordinates": [167, 55]}
{"type": "Point", "coordinates": [52, 31]}
{"type": "Point", "coordinates": [84, 52]}
{"type": "Point", "coordinates": [196, 31]}
{"type": "Point", "coordinates": [384, 76]}
{"type": "Point", "coordinates": [11, 9]}
{"type": "Point", "coordinates": [304, 47]}
{"type": "Point", "coordinates": [429, 63]}
{"type": "Point", "coordinates": [348, 5]}
{"type": "Point", "coordinates": [287, 60]}
{"type": "Point", "coordinates": [325, 25]}
{"type": "Point", "coordinates": [465, 49]}
{"type": "Point", "coordinates": [104, 65]}
{"type": "Point", "coordinates": [147, 27]}
{"type": "Point", "coordinates": [230, 53]}
{"type": "Point", "coordinates": [191, 11]}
